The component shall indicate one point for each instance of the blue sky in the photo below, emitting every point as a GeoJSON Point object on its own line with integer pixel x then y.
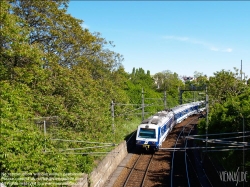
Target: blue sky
{"type": "Point", "coordinates": [180, 36]}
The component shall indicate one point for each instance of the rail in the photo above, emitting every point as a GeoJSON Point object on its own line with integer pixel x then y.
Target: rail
{"type": "Point", "coordinates": [186, 156]}
{"type": "Point", "coordinates": [172, 165]}
{"type": "Point", "coordinates": [194, 170]}
{"type": "Point", "coordinates": [137, 177]}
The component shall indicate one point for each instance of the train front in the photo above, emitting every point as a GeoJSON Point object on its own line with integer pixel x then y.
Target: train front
{"type": "Point", "coordinates": [147, 137]}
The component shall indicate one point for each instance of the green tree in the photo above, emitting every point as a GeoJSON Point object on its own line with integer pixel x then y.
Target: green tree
{"type": "Point", "coordinates": [50, 66]}
{"type": "Point", "coordinates": [166, 80]}
{"type": "Point", "coordinates": [229, 105]}
{"type": "Point", "coordinates": [60, 35]}
{"type": "Point", "coordinates": [200, 80]}
{"type": "Point", "coordinates": [19, 60]}
{"type": "Point", "coordinates": [248, 82]}
{"type": "Point", "coordinates": [224, 84]}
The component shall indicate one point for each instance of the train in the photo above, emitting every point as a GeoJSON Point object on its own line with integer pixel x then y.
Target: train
{"type": "Point", "coordinates": [152, 132]}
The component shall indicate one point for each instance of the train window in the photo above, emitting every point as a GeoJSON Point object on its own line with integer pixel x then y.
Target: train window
{"type": "Point", "coordinates": [147, 133]}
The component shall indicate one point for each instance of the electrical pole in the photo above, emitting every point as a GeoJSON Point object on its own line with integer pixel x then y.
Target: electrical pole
{"type": "Point", "coordinates": [165, 99]}
{"type": "Point", "coordinates": [44, 130]}
{"type": "Point", "coordinates": [113, 117]}
{"type": "Point", "coordinates": [206, 116]}
{"type": "Point", "coordinates": [142, 105]}
{"type": "Point", "coordinates": [241, 70]}
{"type": "Point", "coordinates": [243, 148]}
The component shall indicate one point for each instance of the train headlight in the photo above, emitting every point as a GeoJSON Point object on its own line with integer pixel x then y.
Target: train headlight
{"type": "Point", "coordinates": [153, 142]}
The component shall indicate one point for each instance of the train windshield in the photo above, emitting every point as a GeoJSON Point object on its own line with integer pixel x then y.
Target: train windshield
{"type": "Point", "coordinates": [147, 133]}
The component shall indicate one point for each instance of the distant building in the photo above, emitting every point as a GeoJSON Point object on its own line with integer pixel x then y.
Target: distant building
{"type": "Point", "coordinates": [185, 78]}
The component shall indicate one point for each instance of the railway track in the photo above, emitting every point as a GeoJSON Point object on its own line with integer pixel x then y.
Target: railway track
{"type": "Point", "coordinates": [159, 168]}
{"type": "Point", "coordinates": [138, 172]}
{"type": "Point", "coordinates": [179, 166]}
{"type": "Point", "coordinates": [186, 167]}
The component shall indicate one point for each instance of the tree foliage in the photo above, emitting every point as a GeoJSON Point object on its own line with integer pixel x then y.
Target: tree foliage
{"type": "Point", "coordinates": [224, 84]}
{"type": "Point", "coordinates": [50, 66]}
{"type": "Point", "coordinates": [140, 84]}
{"type": "Point", "coordinates": [229, 111]}
{"type": "Point", "coordinates": [166, 80]}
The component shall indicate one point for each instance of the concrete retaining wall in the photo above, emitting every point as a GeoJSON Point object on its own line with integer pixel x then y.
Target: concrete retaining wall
{"type": "Point", "coordinates": [105, 168]}
{"type": "Point", "coordinates": [82, 182]}
{"type": "Point", "coordinates": [108, 165]}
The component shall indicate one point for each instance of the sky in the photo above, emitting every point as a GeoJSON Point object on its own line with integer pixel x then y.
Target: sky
{"type": "Point", "coordinates": [179, 36]}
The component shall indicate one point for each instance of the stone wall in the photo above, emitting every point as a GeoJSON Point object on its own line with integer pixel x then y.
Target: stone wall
{"type": "Point", "coordinates": [105, 168]}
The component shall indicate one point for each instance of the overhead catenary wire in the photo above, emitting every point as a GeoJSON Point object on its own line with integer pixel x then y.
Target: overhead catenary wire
{"type": "Point", "coordinates": [219, 134]}
{"type": "Point", "coordinates": [133, 110]}
{"type": "Point", "coordinates": [233, 149]}
{"type": "Point", "coordinates": [83, 153]}
{"type": "Point", "coordinates": [108, 144]}
{"type": "Point", "coordinates": [145, 105]}
{"type": "Point", "coordinates": [81, 141]}
{"type": "Point", "coordinates": [201, 148]}
{"type": "Point", "coordinates": [127, 114]}
{"type": "Point", "coordinates": [228, 138]}
{"type": "Point", "coordinates": [221, 141]}
{"type": "Point", "coordinates": [126, 104]}
{"type": "Point", "coordinates": [155, 99]}
{"type": "Point", "coordinates": [82, 148]}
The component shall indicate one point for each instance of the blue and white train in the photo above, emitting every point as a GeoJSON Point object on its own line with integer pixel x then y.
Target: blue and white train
{"type": "Point", "coordinates": [154, 130]}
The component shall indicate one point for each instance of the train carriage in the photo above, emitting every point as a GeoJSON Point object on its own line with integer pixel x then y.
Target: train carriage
{"type": "Point", "coordinates": [152, 132]}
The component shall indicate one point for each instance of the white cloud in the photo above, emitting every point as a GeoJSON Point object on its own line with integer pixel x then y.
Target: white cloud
{"type": "Point", "coordinates": [228, 50]}
{"type": "Point", "coordinates": [194, 41]}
